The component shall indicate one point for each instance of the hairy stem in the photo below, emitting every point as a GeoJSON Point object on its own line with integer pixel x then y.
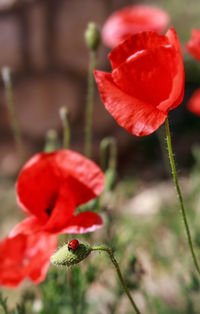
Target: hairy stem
{"type": "Point", "coordinates": [115, 263]}
{"type": "Point", "coordinates": [173, 167]}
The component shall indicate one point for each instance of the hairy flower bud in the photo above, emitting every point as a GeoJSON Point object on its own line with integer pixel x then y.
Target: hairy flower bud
{"type": "Point", "coordinates": [66, 257]}
{"type": "Point", "coordinates": [92, 36]}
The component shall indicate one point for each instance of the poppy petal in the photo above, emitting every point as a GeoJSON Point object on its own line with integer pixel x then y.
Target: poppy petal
{"type": "Point", "coordinates": [177, 93]}
{"type": "Point", "coordinates": [84, 222]}
{"type": "Point", "coordinates": [85, 178]}
{"type": "Point", "coordinates": [131, 20]}
{"type": "Point", "coordinates": [135, 43]}
{"type": "Point", "coordinates": [30, 225]}
{"type": "Point", "coordinates": [193, 45]}
{"type": "Point", "coordinates": [135, 116]}
{"type": "Point", "coordinates": [194, 103]}
{"type": "Point", "coordinates": [37, 186]}
{"type": "Point", "coordinates": [25, 256]}
{"type": "Point", "coordinates": [148, 74]}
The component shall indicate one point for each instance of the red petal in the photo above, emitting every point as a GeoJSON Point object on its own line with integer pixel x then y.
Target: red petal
{"type": "Point", "coordinates": [193, 45]}
{"type": "Point", "coordinates": [37, 186]}
{"type": "Point", "coordinates": [134, 115]}
{"type": "Point", "coordinates": [25, 256]}
{"type": "Point", "coordinates": [194, 103]}
{"type": "Point", "coordinates": [177, 92]}
{"type": "Point", "coordinates": [131, 20]}
{"type": "Point", "coordinates": [30, 225]}
{"type": "Point", "coordinates": [84, 222]}
{"type": "Point", "coordinates": [85, 178]}
{"type": "Point", "coordinates": [135, 43]}
{"type": "Point", "coordinates": [50, 186]}
{"type": "Point", "coordinates": [148, 75]}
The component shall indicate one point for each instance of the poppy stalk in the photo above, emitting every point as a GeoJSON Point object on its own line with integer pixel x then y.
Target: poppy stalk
{"type": "Point", "coordinates": [6, 76]}
{"type": "Point", "coordinates": [180, 197]}
{"type": "Point", "coordinates": [92, 38]}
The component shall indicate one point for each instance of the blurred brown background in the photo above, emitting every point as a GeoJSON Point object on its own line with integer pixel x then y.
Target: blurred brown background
{"type": "Point", "coordinates": [43, 43]}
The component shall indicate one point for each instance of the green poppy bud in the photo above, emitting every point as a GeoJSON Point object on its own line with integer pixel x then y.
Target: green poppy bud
{"type": "Point", "coordinates": [92, 36]}
{"type": "Point", "coordinates": [66, 257]}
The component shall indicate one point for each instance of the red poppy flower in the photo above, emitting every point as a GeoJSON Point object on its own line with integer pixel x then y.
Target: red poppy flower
{"type": "Point", "coordinates": [51, 186]}
{"type": "Point", "coordinates": [131, 20]}
{"type": "Point", "coordinates": [147, 81]}
{"type": "Point", "coordinates": [194, 103]}
{"type": "Point", "coordinates": [25, 257]}
{"type": "Point", "coordinates": [193, 45]}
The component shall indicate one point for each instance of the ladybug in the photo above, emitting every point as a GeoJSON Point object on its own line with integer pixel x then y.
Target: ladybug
{"type": "Point", "coordinates": [73, 244]}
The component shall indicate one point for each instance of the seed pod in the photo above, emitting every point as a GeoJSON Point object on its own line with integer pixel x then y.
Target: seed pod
{"type": "Point", "coordinates": [64, 257]}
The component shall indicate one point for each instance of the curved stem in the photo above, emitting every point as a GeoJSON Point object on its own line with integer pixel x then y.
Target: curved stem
{"type": "Point", "coordinates": [115, 263]}
{"type": "Point", "coordinates": [89, 106]}
{"type": "Point", "coordinates": [171, 158]}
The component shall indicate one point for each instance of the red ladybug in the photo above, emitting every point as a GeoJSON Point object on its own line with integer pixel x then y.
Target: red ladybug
{"type": "Point", "coordinates": [73, 244]}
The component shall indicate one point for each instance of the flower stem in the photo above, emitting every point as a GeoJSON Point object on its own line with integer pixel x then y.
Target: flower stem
{"type": "Point", "coordinates": [115, 263]}
{"type": "Point", "coordinates": [171, 158]}
{"type": "Point", "coordinates": [111, 143]}
{"type": "Point", "coordinates": [11, 109]}
{"type": "Point", "coordinates": [64, 115]}
{"type": "Point", "coordinates": [89, 105]}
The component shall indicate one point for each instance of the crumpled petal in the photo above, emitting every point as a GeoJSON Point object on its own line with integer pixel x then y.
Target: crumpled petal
{"type": "Point", "coordinates": [132, 114]}
{"type": "Point", "coordinates": [131, 20]}
{"type": "Point", "coordinates": [25, 256]}
{"type": "Point", "coordinates": [85, 178]}
{"type": "Point", "coordinates": [84, 222]}
{"type": "Point", "coordinates": [135, 43]}
{"type": "Point", "coordinates": [148, 75]}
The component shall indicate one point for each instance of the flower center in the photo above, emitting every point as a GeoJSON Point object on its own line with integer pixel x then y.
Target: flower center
{"type": "Point", "coordinates": [51, 205]}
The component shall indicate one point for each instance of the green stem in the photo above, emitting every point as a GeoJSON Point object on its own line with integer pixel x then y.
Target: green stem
{"type": "Point", "coordinates": [89, 105]}
{"type": "Point", "coordinates": [52, 142]}
{"type": "Point", "coordinates": [171, 158]}
{"type": "Point", "coordinates": [108, 141]}
{"type": "Point", "coordinates": [64, 115]}
{"type": "Point", "coordinates": [115, 263]}
{"type": "Point", "coordinates": [11, 109]}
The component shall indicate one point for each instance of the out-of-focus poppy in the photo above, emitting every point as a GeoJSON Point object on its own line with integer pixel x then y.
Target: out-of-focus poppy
{"type": "Point", "coordinates": [25, 256]}
{"type": "Point", "coordinates": [193, 104]}
{"type": "Point", "coordinates": [51, 186]}
{"type": "Point", "coordinates": [193, 45]}
{"type": "Point", "coordinates": [147, 81]}
{"type": "Point", "coordinates": [131, 20]}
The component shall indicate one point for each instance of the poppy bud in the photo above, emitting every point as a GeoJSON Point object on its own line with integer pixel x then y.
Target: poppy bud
{"type": "Point", "coordinates": [92, 36]}
{"type": "Point", "coordinates": [65, 257]}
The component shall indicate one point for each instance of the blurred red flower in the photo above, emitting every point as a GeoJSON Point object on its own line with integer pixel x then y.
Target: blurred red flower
{"type": "Point", "coordinates": [193, 45]}
{"type": "Point", "coordinates": [131, 20]}
{"type": "Point", "coordinates": [147, 81]}
{"type": "Point", "coordinates": [51, 186]}
{"type": "Point", "coordinates": [25, 257]}
{"type": "Point", "coordinates": [193, 104]}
